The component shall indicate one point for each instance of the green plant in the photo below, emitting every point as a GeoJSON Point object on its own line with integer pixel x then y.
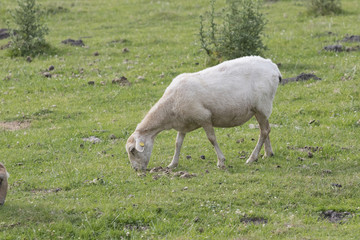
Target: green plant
{"type": "Point", "coordinates": [28, 38]}
{"type": "Point", "coordinates": [238, 34]}
{"type": "Point", "coordinates": [324, 7]}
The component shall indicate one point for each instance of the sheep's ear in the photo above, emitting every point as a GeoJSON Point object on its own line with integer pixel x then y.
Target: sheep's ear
{"type": "Point", "coordinates": [140, 145]}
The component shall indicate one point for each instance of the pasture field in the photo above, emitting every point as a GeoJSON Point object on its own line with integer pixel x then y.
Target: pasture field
{"type": "Point", "coordinates": [64, 187]}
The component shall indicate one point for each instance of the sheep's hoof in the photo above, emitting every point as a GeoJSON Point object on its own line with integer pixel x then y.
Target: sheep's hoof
{"type": "Point", "coordinates": [172, 165]}
{"type": "Point", "coordinates": [269, 155]}
{"type": "Point", "coordinates": [251, 160]}
{"type": "Point", "coordinates": [221, 165]}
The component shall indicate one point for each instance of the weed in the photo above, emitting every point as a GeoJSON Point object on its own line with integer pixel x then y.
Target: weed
{"type": "Point", "coordinates": [28, 38]}
{"type": "Point", "coordinates": [324, 7]}
{"type": "Point", "coordinates": [239, 32]}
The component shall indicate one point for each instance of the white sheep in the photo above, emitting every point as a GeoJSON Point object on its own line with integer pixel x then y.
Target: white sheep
{"type": "Point", "coordinates": [226, 95]}
{"type": "Point", "coordinates": [4, 175]}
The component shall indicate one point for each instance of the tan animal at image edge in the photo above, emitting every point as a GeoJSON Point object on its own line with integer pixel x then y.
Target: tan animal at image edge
{"type": "Point", "coordinates": [4, 175]}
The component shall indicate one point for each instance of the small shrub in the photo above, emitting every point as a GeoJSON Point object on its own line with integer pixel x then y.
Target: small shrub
{"type": "Point", "coordinates": [239, 32]}
{"type": "Point", "coordinates": [324, 7]}
{"type": "Point", "coordinates": [28, 38]}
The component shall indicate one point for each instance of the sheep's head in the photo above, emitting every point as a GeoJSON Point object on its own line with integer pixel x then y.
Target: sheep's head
{"type": "Point", "coordinates": [139, 151]}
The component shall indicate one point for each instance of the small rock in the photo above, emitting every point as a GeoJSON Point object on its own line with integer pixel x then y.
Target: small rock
{"type": "Point", "coordinates": [140, 77]}
{"type": "Point", "coordinates": [240, 140]}
{"type": "Point", "coordinates": [186, 175]}
{"type": "Point", "coordinates": [336, 185]}
{"type": "Point", "coordinates": [47, 74]}
{"type": "Point", "coordinates": [156, 169]}
{"type": "Point", "coordinates": [156, 177]}
{"type": "Point", "coordinates": [177, 174]}
{"type": "Point", "coordinates": [51, 68]}
{"type": "Point", "coordinates": [112, 136]}
{"type": "Point", "coordinates": [92, 139]}
{"type": "Point", "coordinates": [185, 188]}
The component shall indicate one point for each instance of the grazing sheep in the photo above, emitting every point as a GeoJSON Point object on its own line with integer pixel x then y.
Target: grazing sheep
{"type": "Point", "coordinates": [4, 175]}
{"type": "Point", "coordinates": [226, 95]}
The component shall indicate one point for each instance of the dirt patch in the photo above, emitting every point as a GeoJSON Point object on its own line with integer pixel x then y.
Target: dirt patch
{"type": "Point", "coordinates": [121, 81]}
{"type": "Point", "coordinates": [254, 220]}
{"type": "Point", "coordinates": [4, 33]}
{"type": "Point", "coordinates": [301, 77]}
{"type": "Point", "coordinates": [352, 38]}
{"type": "Point", "coordinates": [14, 125]}
{"type": "Point", "coordinates": [73, 42]}
{"type": "Point", "coordinates": [341, 48]}
{"type": "Point", "coordinates": [160, 171]}
{"type": "Point", "coordinates": [135, 227]}
{"type": "Point", "coordinates": [54, 190]}
{"type": "Point", "coordinates": [335, 217]}
{"type": "Point", "coordinates": [306, 148]}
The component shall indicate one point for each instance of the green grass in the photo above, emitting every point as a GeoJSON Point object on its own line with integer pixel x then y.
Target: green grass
{"type": "Point", "coordinates": [62, 187]}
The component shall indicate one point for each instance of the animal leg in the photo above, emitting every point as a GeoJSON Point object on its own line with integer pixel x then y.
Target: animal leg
{"type": "Point", "coordinates": [179, 141]}
{"type": "Point", "coordinates": [263, 138]}
{"type": "Point", "coordinates": [210, 133]}
{"type": "Point", "coordinates": [268, 150]}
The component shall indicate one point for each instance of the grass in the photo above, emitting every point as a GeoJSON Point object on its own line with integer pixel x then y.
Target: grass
{"type": "Point", "coordinates": [63, 188]}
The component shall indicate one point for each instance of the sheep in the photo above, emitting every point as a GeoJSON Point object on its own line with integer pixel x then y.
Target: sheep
{"type": "Point", "coordinates": [4, 175]}
{"type": "Point", "coordinates": [226, 95]}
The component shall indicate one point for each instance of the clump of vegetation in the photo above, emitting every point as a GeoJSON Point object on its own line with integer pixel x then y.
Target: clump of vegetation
{"type": "Point", "coordinates": [28, 37]}
{"type": "Point", "coordinates": [324, 7]}
{"type": "Point", "coordinates": [235, 32]}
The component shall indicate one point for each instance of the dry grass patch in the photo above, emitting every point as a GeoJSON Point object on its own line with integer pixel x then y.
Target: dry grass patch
{"type": "Point", "coordinates": [14, 125]}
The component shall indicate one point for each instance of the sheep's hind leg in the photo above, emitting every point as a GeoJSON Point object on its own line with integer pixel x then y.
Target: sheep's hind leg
{"type": "Point", "coordinates": [263, 138]}
{"type": "Point", "coordinates": [210, 133]}
{"type": "Point", "coordinates": [179, 141]}
{"type": "Point", "coordinates": [268, 149]}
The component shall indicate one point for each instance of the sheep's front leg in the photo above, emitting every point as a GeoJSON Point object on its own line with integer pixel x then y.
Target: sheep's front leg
{"type": "Point", "coordinates": [263, 138]}
{"type": "Point", "coordinates": [210, 133]}
{"type": "Point", "coordinates": [179, 141]}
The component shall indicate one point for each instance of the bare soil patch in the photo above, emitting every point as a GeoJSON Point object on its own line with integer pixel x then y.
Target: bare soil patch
{"type": "Point", "coordinates": [4, 33]}
{"type": "Point", "coordinates": [335, 217]}
{"type": "Point", "coordinates": [254, 220]}
{"type": "Point", "coordinates": [14, 125]}
{"type": "Point", "coordinates": [352, 38]}
{"type": "Point", "coordinates": [301, 77]}
{"type": "Point", "coordinates": [168, 171]}
{"type": "Point", "coordinates": [73, 42]}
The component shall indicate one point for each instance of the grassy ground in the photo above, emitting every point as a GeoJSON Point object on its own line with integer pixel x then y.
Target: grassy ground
{"type": "Point", "coordinates": [62, 187]}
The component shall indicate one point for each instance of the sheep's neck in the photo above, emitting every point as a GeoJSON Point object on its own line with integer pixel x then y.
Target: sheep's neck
{"type": "Point", "coordinates": [157, 120]}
